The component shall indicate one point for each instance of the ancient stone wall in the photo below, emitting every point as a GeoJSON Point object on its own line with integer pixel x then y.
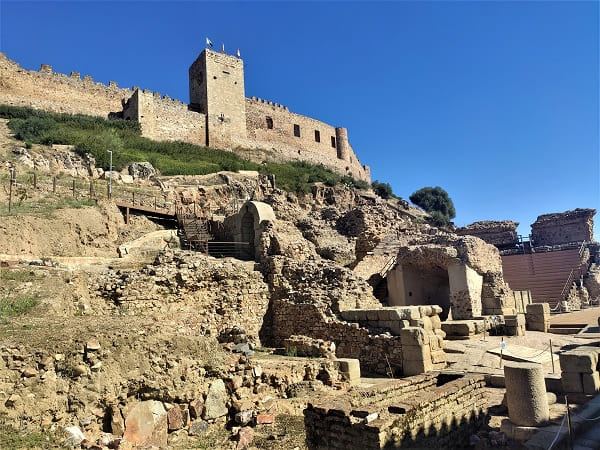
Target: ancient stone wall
{"type": "Point", "coordinates": [412, 412]}
{"type": "Point", "coordinates": [562, 228]}
{"type": "Point", "coordinates": [351, 341]}
{"type": "Point", "coordinates": [414, 349]}
{"type": "Point", "coordinates": [230, 293]}
{"type": "Point", "coordinates": [218, 116]}
{"type": "Point", "coordinates": [499, 233]}
{"type": "Point", "coordinates": [165, 119]}
{"type": "Point", "coordinates": [58, 92]}
{"type": "Point", "coordinates": [297, 137]}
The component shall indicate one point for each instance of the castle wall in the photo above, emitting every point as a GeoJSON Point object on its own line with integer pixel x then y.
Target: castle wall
{"type": "Point", "coordinates": [219, 115]}
{"type": "Point", "coordinates": [283, 139]}
{"type": "Point", "coordinates": [165, 119]}
{"type": "Point", "coordinates": [58, 92]}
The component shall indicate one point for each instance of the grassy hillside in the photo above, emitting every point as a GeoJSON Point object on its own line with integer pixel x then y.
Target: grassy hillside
{"type": "Point", "coordinates": [96, 135]}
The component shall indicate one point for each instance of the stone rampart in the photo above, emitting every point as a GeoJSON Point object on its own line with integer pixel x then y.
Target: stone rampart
{"type": "Point", "coordinates": [161, 117]}
{"type": "Point", "coordinates": [296, 137]}
{"type": "Point", "coordinates": [247, 123]}
{"type": "Point", "coordinates": [165, 119]}
{"type": "Point", "coordinates": [415, 412]}
{"type": "Point", "coordinates": [58, 92]}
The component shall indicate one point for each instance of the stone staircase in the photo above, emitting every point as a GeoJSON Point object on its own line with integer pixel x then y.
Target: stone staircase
{"type": "Point", "coordinates": [194, 231]}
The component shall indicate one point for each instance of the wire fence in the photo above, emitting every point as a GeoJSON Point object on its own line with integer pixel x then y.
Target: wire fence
{"type": "Point", "coordinates": [32, 192]}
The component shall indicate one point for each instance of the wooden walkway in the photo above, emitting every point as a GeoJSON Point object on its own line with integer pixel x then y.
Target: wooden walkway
{"type": "Point", "coordinates": [161, 213]}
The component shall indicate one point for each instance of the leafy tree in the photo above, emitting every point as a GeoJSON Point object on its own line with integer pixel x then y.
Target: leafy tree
{"type": "Point", "coordinates": [436, 202]}
{"type": "Point", "coordinates": [384, 190]}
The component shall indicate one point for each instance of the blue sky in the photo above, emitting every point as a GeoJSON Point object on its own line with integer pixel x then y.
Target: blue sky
{"type": "Point", "coordinates": [496, 102]}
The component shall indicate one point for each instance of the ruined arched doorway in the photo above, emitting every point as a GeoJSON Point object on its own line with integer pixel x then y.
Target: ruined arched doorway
{"type": "Point", "coordinates": [246, 228]}
{"type": "Point", "coordinates": [247, 236]}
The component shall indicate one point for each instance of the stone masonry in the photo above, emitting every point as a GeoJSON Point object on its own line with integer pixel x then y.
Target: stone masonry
{"type": "Point", "coordinates": [579, 370]}
{"type": "Point", "coordinates": [219, 115]}
{"type": "Point", "coordinates": [499, 233]}
{"type": "Point", "coordinates": [423, 411]}
{"type": "Point", "coordinates": [564, 228]}
{"type": "Point", "coordinates": [414, 350]}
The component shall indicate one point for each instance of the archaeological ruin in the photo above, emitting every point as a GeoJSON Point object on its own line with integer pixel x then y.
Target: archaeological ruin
{"type": "Point", "coordinates": [222, 311]}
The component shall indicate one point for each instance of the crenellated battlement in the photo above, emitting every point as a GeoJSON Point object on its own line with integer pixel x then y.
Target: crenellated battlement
{"type": "Point", "coordinates": [219, 114]}
{"type": "Point", "coordinates": [267, 102]}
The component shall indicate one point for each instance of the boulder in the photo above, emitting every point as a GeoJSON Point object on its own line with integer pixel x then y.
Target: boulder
{"type": "Point", "coordinates": [215, 405]}
{"type": "Point", "coordinates": [245, 437]}
{"type": "Point", "coordinates": [143, 170]}
{"type": "Point", "coordinates": [146, 424]}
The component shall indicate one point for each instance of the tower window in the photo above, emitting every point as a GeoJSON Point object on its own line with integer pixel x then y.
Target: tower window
{"type": "Point", "coordinates": [333, 141]}
{"type": "Point", "coordinates": [317, 136]}
{"type": "Point", "coordinates": [296, 130]}
{"type": "Point", "coordinates": [269, 123]}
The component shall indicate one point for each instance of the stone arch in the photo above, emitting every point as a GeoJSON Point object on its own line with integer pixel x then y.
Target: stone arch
{"type": "Point", "coordinates": [250, 218]}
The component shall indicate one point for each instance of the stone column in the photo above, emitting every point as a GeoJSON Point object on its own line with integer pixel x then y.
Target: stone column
{"type": "Point", "coordinates": [465, 291]}
{"type": "Point", "coordinates": [526, 394]}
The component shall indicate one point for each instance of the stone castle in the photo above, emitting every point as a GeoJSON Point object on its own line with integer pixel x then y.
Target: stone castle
{"type": "Point", "coordinates": [219, 115]}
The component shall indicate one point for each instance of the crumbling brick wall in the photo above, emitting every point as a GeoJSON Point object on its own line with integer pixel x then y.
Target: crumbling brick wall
{"type": "Point", "coordinates": [501, 233]}
{"type": "Point", "coordinates": [375, 352]}
{"type": "Point", "coordinates": [563, 228]}
{"type": "Point", "coordinates": [416, 412]}
{"type": "Point", "coordinates": [230, 294]}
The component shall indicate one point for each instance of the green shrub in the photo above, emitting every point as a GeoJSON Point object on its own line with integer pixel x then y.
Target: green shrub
{"type": "Point", "coordinates": [13, 305]}
{"type": "Point", "coordinates": [436, 202]}
{"type": "Point", "coordinates": [96, 135]}
{"type": "Point", "coordinates": [32, 128]}
{"type": "Point", "coordinates": [383, 190]}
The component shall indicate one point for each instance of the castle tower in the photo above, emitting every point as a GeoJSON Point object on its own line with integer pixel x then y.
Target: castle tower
{"type": "Point", "coordinates": [341, 136]}
{"type": "Point", "coordinates": [217, 90]}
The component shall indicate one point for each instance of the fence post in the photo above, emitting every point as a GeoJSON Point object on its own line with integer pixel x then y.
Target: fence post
{"type": "Point", "coordinates": [133, 198]}
{"type": "Point", "coordinates": [10, 189]}
{"type": "Point", "coordinates": [569, 423]}
{"type": "Point", "coordinates": [73, 187]}
{"type": "Point", "coordinates": [552, 356]}
{"type": "Point", "coordinates": [91, 189]}
{"type": "Point", "coordinates": [35, 180]}
{"type": "Point", "coordinates": [54, 184]}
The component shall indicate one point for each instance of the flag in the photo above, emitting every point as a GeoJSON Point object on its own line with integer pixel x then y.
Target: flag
{"type": "Point", "coordinates": [222, 48]}
{"type": "Point", "coordinates": [209, 42]}
{"type": "Point", "coordinates": [238, 53]}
